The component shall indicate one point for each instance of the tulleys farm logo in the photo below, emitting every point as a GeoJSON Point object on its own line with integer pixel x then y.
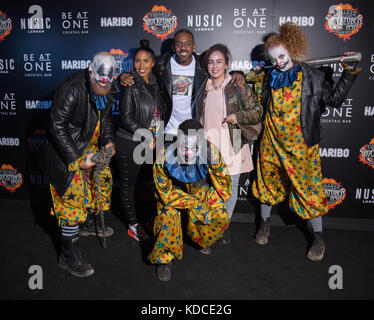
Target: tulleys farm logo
{"type": "Point", "coordinates": [343, 20]}
{"type": "Point", "coordinates": [5, 25]}
{"type": "Point", "coordinates": [10, 178]}
{"type": "Point", "coordinates": [335, 192]}
{"type": "Point", "coordinates": [161, 22]}
{"type": "Point", "coordinates": [367, 154]}
{"type": "Point", "coordinates": [124, 62]}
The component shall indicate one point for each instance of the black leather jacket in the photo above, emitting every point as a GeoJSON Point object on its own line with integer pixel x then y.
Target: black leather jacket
{"type": "Point", "coordinates": [317, 92]}
{"type": "Point", "coordinates": [162, 70]}
{"type": "Point", "coordinates": [73, 119]}
{"type": "Point", "coordinates": [137, 105]}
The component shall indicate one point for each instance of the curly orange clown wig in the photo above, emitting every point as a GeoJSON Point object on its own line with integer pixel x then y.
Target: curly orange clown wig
{"type": "Point", "coordinates": [292, 38]}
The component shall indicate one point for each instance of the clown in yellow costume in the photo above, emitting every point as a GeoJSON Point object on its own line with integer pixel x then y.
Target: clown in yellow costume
{"type": "Point", "coordinates": [81, 185]}
{"type": "Point", "coordinates": [294, 95]}
{"type": "Point", "coordinates": [197, 188]}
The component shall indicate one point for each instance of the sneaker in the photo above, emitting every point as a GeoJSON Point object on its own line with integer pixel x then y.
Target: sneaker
{"type": "Point", "coordinates": [262, 236]}
{"type": "Point", "coordinates": [137, 232]}
{"type": "Point", "coordinates": [207, 250]}
{"type": "Point", "coordinates": [317, 250]}
{"type": "Point", "coordinates": [163, 272]}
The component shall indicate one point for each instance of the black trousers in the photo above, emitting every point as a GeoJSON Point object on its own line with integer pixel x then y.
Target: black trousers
{"type": "Point", "coordinates": [129, 173]}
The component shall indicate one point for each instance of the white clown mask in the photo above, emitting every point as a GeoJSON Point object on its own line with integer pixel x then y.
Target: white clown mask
{"type": "Point", "coordinates": [102, 68]}
{"type": "Point", "coordinates": [280, 58]}
{"type": "Point", "coordinates": [188, 148]}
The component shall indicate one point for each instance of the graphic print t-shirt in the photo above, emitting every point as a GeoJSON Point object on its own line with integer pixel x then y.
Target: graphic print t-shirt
{"type": "Point", "coordinates": [183, 78]}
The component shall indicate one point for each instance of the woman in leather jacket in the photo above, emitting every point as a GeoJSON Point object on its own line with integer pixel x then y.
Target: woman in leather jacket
{"type": "Point", "coordinates": [142, 107]}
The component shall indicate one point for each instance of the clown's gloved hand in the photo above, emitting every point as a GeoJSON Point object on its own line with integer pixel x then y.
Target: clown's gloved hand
{"type": "Point", "coordinates": [349, 66]}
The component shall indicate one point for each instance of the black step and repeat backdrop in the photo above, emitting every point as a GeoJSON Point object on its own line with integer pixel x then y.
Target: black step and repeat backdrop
{"type": "Point", "coordinates": [42, 42]}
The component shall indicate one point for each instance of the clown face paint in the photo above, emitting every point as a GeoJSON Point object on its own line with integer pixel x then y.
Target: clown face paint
{"type": "Point", "coordinates": [188, 149]}
{"type": "Point", "coordinates": [280, 58]}
{"type": "Point", "coordinates": [102, 72]}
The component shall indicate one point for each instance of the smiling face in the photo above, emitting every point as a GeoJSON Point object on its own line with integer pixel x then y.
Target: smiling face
{"type": "Point", "coordinates": [184, 45]}
{"type": "Point", "coordinates": [280, 58]}
{"type": "Point", "coordinates": [143, 64]}
{"type": "Point", "coordinates": [217, 65]}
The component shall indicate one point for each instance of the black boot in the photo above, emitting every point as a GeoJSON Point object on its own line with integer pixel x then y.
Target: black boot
{"type": "Point", "coordinates": [71, 258]}
{"type": "Point", "coordinates": [317, 250]}
{"type": "Point", "coordinates": [163, 272]}
{"type": "Point", "coordinates": [93, 226]}
{"type": "Point", "coordinates": [262, 236]}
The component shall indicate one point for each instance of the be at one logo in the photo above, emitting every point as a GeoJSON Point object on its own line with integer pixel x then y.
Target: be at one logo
{"type": "Point", "coordinates": [8, 104]}
{"type": "Point", "coordinates": [5, 25]}
{"type": "Point", "coordinates": [10, 178]}
{"type": "Point", "coordinates": [367, 154]}
{"type": "Point", "coordinates": [36, 23]}
{"type": "Point", "coordinates": [250, 21]}
{"type": "Point", "coordinates": [74, 23]}
{"type": "Point", "coordinates": [343, 20]}
{"type": "Point", "coordinates": [342, 115]}
{"type": "Point", "coordinates": [160, 22]}
{"type": "Point", "coordinates": [37, 65]}
{"type": "Point", "coordinates": [335, 192]}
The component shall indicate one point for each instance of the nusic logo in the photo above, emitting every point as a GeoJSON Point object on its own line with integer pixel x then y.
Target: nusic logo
{"type": "Point", "coordinates": [334, 153]}
{"type": "Point", "coordinates": [204, 22]}
{"type": "Point", "coordinates": [38, 104]}
{"type": "Point", "coordinates": [335, 192]}
{"type": "Point", "coordinates": [124, 63]}
{"type": "Point", "coordinates": [75, 23]}
{"type": "Point", "coordinates": [5, 25]}
{"type": "Point", "coordinates": [367, 154]}
{"type": "Point", "coordinates": [366, 195]}
{"type": "Point", "coordinates": [160, 22]}
{"type": "Point", "coordinates": [37, 65]}
{"type": "Point", "coordinates": [301, 21]}
{"type": "Point", "coordinates": [340, 115]}
{"type": "Point", "coordinates": [9, 142]}
{"type": "Point", "coordinates": [250, 21]}
{"type": "Point", "coordinates": [10, 178]}
{"type": "Point", "coordinates": [8, 104]}
{"type": "Point", "coordinates": [36, 23]}
{"type": "Point", "coordinates": [343, 20]}
{"type": "Point", "coordinates": [6, 66]}
{"type": "Point", "coordinates": [110, 22]}
{"type": "Point", "coordinates": [74, 64]}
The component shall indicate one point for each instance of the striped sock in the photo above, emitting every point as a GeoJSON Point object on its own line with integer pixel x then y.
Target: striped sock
{"type": "Point", "coordinates": [316, 224]}
{"type": "Point", "coordinates": [69, 231]}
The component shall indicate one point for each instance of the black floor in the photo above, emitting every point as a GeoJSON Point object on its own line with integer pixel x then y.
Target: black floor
{"type": "Point", "coordinates": [241, 270]}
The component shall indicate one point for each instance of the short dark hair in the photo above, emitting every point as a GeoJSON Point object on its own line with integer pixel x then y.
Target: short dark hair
{"type": "Point", "coordinates": [190, 124]}
{"type": "Point", "coordinates": [184, 31]}
{"type": "Point", "coordinates": [144, 46]}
